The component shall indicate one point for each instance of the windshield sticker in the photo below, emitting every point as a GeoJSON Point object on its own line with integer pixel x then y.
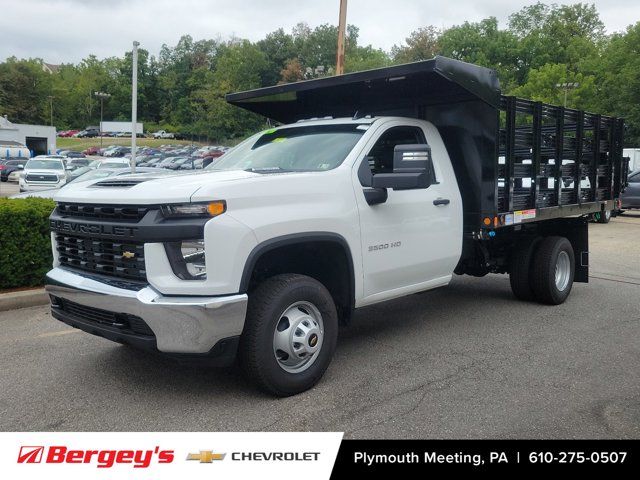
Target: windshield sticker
{"type": "Point", "coordinates": [270, 131]}
{"type": "Point", "coordinates": [278, 140]}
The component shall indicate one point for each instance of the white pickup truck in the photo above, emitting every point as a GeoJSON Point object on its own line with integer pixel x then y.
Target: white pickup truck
{"type": "Point", "coordinates": [261, 256]}
{"type": "Point", "coordinates": [163, 134]}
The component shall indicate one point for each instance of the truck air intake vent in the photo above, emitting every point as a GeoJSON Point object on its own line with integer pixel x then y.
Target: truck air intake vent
{"type": "Point", "coordinates": [110, 212]}
{"type": "Point", "coordinates": [118, 183]}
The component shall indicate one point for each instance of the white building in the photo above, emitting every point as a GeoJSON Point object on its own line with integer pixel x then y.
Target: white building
{"type": "Point", "coordinates": [39, 139]}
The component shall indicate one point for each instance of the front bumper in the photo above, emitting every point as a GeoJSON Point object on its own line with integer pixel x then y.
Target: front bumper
{"type": "Point", "coordinates": [38, 187]}
{"type": "Point", "coordinates": [180, 325]}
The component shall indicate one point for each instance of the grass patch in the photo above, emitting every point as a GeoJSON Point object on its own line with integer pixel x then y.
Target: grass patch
{"type": "Point", "coordinates": [79, 144]}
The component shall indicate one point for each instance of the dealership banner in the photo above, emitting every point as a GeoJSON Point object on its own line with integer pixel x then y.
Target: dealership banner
{"type": "Point", "coordinates": [158, 456]}
{"type": "Point", "coordinates": [194, 456]}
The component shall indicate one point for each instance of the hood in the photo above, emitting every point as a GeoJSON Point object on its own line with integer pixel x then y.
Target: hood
{"type": "Point", "coordinates": [150, 188]}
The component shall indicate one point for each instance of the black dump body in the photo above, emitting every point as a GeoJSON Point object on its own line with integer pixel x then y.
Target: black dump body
{"type": "Point", "coordinates": [503, 149]}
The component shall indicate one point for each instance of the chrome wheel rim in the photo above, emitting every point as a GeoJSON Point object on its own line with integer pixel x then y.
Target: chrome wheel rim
{"type": "Point", "coordinates": [607, 214]}
{"type": "Point", "coordinates": [563, 271]}
{"type": "Point", "coordinates": [298, 337]}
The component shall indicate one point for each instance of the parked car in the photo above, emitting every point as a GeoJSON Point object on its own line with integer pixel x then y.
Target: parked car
{"type": "Point", "coordinates": [87, 134]}
{"type": "Point", "coordinates": [42, 173]}
{"type": "Point", "coordinates": [91, 151]}
{"type": "Point", "coordinates": [114, 163]}
{"type": "Point", "coordinates": [74, 163]}
{"type": "Point", "coordinates": [631, 196]}
{"type": "Point", "coordinates": [11, 165]}
{"type": "Point", "coordinates": [153, 162]}
{"type": "Point", "coordinates": [68, 133]}
{"type": "Point", "coordinates": [163, 134]}
{"type": "Point", "coordinates": [179, 162]}
{"type": "Point", "coordinates": [117, 152]}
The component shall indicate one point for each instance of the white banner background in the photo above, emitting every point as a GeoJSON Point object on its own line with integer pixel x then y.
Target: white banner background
{"type": "Point", "coordinates": [182, 444]}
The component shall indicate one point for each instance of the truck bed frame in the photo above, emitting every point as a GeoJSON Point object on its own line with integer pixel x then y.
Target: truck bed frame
{"type": "Point", "coordinates": [522, 166]}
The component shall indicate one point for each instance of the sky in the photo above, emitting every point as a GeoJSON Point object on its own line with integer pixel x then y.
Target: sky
{"type": "Point", "coordinates": [65, 31]}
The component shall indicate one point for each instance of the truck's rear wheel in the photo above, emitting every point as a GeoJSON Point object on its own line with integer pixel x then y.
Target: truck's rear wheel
{"type": "Point", "coordinates": [520, 269]}
{"type": "Point", "coordinates": [553, 270]}
{"type": "Point", "coordinates": [604, 216]}
{"type": "Point", "coordinates": [290, 334]}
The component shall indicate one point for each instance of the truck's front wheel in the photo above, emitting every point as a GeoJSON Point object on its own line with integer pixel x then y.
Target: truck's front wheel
{"type": "Point", "coordinates": [553, 270]}
{"type": "Point", "coordinates": [290, 334]}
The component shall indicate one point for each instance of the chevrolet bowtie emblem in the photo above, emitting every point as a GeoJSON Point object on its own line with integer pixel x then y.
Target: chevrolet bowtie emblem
{"type": "Point", "coordinates": [128, 254]}
{"type": "Point", "coordinates": [206, 456]}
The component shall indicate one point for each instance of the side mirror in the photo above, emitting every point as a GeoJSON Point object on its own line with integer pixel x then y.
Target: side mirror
{"type": "Point", "coordinates": [412, 169]}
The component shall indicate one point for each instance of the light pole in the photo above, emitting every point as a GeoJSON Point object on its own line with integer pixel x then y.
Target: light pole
{"type": "Point", "coordinates": [567, 86]}
{"type": "Point", "coordinates": [342, 25]}
{"type": "Point", "coordinates": [134, 105]}
{"type": "Point", "coordinates": [51, 97]}
{"type": "Point", "coordinates": [102, 96]}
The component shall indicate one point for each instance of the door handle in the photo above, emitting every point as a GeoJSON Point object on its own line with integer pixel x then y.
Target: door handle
{"type": "Point", "coordinates": [441, 201]}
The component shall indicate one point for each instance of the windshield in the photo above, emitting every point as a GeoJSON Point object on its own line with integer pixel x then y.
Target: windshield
{"type": "Point", "coordinates": [45, 164]}
{"type": "Point", "coordinates": [312, 149]}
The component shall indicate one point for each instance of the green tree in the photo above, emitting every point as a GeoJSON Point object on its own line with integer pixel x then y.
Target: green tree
{"type": "Point", "coordinates": [483, 43]}
{"type": "Point", "coordinates": [422, 44]}
{"type": "Point", "coordinates": [542, 84]}
{"type": "Point", "coordinates": [240, 66]}
{"type": "Point", "coordinates": [25, 88]}
{"type": "Point", "coordinates": [619, 82]}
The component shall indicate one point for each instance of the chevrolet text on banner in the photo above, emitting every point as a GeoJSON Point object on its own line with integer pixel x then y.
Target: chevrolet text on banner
{"type": "Point", "coordinates": [159, 456]}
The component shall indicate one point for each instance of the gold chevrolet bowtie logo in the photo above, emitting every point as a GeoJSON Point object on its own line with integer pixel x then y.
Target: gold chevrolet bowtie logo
{"type": "Point", "coordinates": [206, 456]}
{"type": "Point", "coordinates": [128, 254]}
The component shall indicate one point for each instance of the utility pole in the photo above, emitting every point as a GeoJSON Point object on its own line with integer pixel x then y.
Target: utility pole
{"type": "Point", "coordinates": [51, 97]}
{"type": "Point", "coordinates": [102, 96]}
{"type": "Point", "coordinates": [567, 86]}
{"type": "Point", "coordinates": [134, 105]}
{"type": "Point", "coordinates": [342, 25]}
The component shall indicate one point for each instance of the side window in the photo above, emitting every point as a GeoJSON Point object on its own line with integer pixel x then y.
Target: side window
{"type": "Point", "coordinates": [380, 156]}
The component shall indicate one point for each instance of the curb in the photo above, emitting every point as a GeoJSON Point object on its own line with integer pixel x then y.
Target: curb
{"type": "Point", "coordinates": [23, 299]}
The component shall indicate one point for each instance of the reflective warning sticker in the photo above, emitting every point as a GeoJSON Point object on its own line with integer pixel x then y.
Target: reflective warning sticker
{"type": "Point", "coordinates": [508, 219]}
{"type": "Point", "coordinates": [520, 215]}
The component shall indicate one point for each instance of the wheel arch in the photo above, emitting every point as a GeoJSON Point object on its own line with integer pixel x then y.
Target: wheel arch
{"type": "Point", "coordinates": [298, 245]}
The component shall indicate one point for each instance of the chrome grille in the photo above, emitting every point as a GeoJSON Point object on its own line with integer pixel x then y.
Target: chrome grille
{"type": "Point", "coordinates": [34, 177]}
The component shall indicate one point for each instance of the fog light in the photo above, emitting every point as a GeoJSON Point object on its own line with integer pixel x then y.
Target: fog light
{"type": "Point", "coordinates": [187, 259]}
{"type": "Point", "coordinates": [193, 255]}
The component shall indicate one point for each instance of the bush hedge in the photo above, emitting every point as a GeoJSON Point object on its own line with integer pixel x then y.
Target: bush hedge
{"type": "Point", "coordinates": [25, 241]}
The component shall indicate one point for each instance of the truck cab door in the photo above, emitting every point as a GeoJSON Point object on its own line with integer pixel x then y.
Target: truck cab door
{"type": "Point", "coordinates": [412, 240]}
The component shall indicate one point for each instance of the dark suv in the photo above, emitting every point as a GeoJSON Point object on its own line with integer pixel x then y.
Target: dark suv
{"type": "Point", "coordinates": [11, 165]}
{"type": "Point", "coordinates": [88, 134]}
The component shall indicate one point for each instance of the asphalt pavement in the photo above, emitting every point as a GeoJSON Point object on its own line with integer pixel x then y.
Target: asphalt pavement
{"type": "Point", "coordinates": [8, 188]}
{"type": "Point", "coordinates": [465, 361]}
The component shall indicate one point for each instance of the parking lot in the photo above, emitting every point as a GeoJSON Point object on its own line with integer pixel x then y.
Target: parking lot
{"type": "Point", "coordinates": [463, 361]}
{"type": "Point", "coordinates": [8, 188]}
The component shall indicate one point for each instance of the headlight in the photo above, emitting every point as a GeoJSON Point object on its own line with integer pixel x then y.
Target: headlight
{"type": "Point", "coordinates": [190, 210]}
{"type": "Point", "coordinates": [187, 259]}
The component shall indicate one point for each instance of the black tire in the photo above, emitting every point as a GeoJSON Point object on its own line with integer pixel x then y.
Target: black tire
{"type": "Point", "coordinates": [266, 305]}
{"type": "Point", "coordinates": [543, 272]}
{"type": "Point", "coordinates": [520, 269]}
{"type": "Point", "coordinates": [604, 216]}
